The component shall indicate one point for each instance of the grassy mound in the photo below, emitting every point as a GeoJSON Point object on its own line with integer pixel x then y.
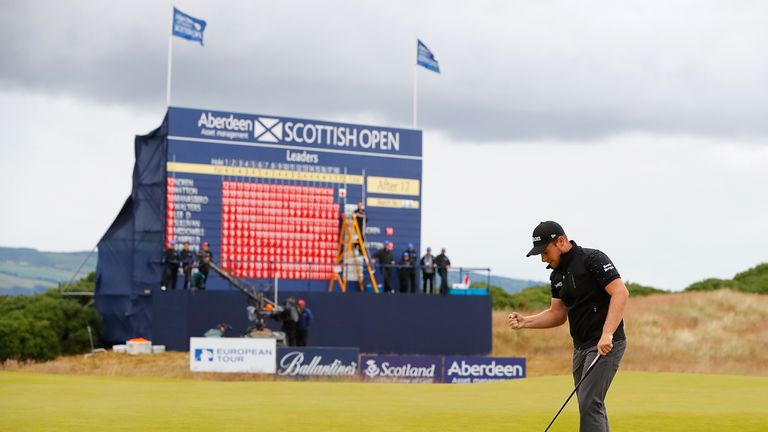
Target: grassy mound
{"type": "Point", "coordinates": [723, 331]}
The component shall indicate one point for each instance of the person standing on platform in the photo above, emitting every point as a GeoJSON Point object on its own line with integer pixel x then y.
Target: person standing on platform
{"type": "Point", "coordinates": [405, 271]}
{"type": "Point", "coordinates": [386, 261]}
{"type": "Point", "coordinates": [187, 259]}
{"type": "Point", "coordinates": [362, 220]}
{"type": "Point", "coordinates": [305, 320]}
{"type": "Point", "coordinates": [204, 258]}
{"type": "Point", "coordinates": [170, 267]}
{"type": "Point", "coordinates": [443, 264]}
{"type": "Point", "coordinates": [427, 264]}
{"type": "Point", "coordinates": [290, 317]}
{"type": "Point", "coordinates": [414, 263]}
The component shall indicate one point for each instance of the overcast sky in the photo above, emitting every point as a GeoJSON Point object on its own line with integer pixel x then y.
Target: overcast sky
{"type": "Point", "coordinates": [640, 126]}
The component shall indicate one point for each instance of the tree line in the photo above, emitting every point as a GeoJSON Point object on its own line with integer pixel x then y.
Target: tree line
{"type": "Point", "coordinates": [42, 326]}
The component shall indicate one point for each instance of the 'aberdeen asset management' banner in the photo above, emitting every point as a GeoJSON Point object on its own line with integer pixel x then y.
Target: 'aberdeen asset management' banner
{"type": "Point", "coordinates": [479, 369]}
{"type": "Point", "coordinates": [303, 362]}
{"type": "Point", "coordinates": [308, 134]}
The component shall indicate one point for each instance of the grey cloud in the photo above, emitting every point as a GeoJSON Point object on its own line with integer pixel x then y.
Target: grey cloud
{"type": "Point", "coordinates": [510, 70]}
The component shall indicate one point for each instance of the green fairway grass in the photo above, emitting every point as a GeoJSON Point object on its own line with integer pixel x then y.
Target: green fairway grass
{"type": "Point", "coordinates": [637, 401]}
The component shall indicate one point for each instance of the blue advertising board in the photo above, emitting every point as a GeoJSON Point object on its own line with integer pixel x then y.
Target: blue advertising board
{"type": "Point", "coordinates": [266, 192]}
{"type": "Point", "coordinates": [317, 361]}
{"type": "Point", "coordinates": [461, 369]}
{"type": "Point", "coordinates": [397, 368]}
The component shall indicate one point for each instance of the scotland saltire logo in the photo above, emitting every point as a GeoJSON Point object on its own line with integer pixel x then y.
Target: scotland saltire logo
{"type": "Point", "coordinates": [268, 130]}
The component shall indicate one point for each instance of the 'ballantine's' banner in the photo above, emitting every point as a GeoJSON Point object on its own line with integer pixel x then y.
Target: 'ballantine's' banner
{"type": "Point", "coordinates": [304, 362]}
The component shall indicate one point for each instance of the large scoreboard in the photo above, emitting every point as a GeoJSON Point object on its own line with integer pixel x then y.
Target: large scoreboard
{"type": "Point", "coordinates": [267, 192]}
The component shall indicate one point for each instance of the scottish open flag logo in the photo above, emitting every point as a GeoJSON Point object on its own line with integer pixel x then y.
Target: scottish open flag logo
{"type": "Point", "coordinates": [187, 27]}
{"type": "Point", "coordinates": [425, 58]}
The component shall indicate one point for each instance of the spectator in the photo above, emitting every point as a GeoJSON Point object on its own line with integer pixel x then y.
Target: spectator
{"type": "Point", "coordinates": [218, 331]}
{"type": "Point", "coordinates": [170, 267]}
{"type": "Point", "coordinates": [198, 279]}
{"type": "Point", "coordinates": [204, 258]}
{"type": "Point", "coordinates": [427, 264]}
{"type": "Point", "coordinates": [386, 261]}
{"type": "Point", "coordinates": [414, 262]}
{"type": "Point", "coordinates": [362, 220]}
{"type": "Point", "coordinates": [187, 260]}
{"type": "Point", "coordinates": [443, 264]}
{"type": "Point", "coordinates": [305, 320]}
{"type": "Point", "coordinates": [405, 271]}
{"type": "Point", "coordinates": [289, 317]}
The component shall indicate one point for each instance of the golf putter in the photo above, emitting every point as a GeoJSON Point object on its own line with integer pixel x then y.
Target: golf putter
{"type": "Point", "coordinates": [589, 369]}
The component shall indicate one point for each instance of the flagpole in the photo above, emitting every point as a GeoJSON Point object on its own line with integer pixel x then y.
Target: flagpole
{"type": "Point", "coordinates": [170, 63]}
{"type": "Point", "coordinates": [415, 94]}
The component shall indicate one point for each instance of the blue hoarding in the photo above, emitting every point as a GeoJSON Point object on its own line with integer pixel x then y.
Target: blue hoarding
{"type": "Point", "coordinates": [396, 368]}
{"type": "Point", "coordinates": [317, 361]}
{"type": "Point", "coordinates": [266, 192]}
{"type": "Point", "coordinates": [460, 369]}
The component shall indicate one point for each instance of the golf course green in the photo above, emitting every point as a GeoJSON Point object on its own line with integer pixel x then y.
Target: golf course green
{"type": "Point", "coordinates": [638, 401]}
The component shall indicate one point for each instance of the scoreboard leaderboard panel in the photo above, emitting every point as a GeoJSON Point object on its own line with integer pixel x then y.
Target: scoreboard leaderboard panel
{"type": "Point", "coordinates": [267, 192]}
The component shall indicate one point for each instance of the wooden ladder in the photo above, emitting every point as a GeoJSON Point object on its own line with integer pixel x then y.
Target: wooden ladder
{"type": "Point", "coordinates": [349, 237]}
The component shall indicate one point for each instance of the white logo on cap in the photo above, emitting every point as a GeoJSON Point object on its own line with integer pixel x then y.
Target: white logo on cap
{"type": "Point", "coordinates": [537, 239]}
{"type": "Point", "coordinates": [553, 235]}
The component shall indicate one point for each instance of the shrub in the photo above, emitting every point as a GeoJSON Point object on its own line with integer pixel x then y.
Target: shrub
{"type": "Point", "coordinates": [42, 326]}
{"type": "Point", "coordinates": [638, 290]}
{"type": "Point", "coordinates": [711, 284]}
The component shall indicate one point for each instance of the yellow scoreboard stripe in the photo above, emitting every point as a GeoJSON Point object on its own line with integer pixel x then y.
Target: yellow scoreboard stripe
{"type": "Point", "coordinates": [265, 173]}
{"type": "Point", "coordinates": [393, 186]}
{"type": "Point", "coordinates": [392, 203]}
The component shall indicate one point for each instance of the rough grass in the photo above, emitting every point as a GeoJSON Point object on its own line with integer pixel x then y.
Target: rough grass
{"type": "Point", "coordinates": [720, 332]}
{"type": "Point", "coordinates": [637, 402]}
{"type": "Point", "coordinates": [723, 332]}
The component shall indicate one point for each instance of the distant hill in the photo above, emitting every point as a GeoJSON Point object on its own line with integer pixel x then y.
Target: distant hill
{"type": "Point", "coordinates": [26, 270]}
{"type": "Point", "coordinates": [509, 285]}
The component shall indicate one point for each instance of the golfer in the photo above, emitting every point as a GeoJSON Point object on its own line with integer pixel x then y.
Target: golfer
{"type": "Point", "coordinates": [588, 291]}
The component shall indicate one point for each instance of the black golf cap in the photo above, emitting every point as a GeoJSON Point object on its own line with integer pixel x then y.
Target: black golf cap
{"type": "Point", "coordinates": [543, 234]}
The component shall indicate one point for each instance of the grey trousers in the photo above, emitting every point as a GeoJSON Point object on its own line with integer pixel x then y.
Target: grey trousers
{"type": "Point", "coordinates": [592, 391]}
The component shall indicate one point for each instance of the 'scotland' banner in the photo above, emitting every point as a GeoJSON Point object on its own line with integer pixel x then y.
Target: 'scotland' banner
{"type": "Point", "coordinates": [479, 369]}
{"type": "Point", "coordinates": [406, 369]}
{"type": "Point", "coordinates": [304, 362]}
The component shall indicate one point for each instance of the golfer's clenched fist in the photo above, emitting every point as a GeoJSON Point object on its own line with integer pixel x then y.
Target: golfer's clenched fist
{"type": "Point", "coordinates": [515, 320]}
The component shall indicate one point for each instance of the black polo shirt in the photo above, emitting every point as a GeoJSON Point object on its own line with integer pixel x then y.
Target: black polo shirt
{"type": "Point", "coordinates": [579, 281]}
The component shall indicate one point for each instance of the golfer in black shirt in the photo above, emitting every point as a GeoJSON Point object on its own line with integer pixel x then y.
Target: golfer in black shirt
{"type": "Point", "coordinates": [587, 291]}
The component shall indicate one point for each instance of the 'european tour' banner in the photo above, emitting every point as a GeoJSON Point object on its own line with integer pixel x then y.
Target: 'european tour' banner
{"type": "Point", "coordinates": [254, 355]}
{"type": "Point", "coordinates": [459, 369]}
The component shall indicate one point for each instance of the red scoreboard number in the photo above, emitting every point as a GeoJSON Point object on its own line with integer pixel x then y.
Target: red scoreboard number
{"type": "Point", "coordinates": [287, 231]}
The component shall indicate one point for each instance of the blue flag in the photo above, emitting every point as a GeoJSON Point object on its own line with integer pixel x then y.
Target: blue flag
{"type": "Point", "coordinates": [425, 58]}
{"type": "Point", "coordinates": [187, 27]}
